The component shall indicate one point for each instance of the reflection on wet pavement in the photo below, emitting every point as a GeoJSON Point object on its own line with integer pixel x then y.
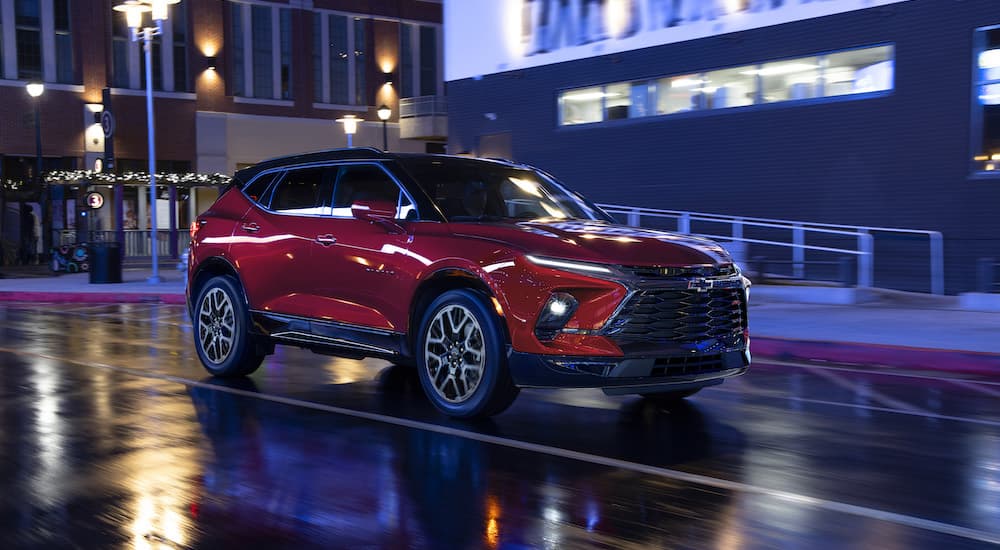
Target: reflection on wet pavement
{"type": "Point", "coordinates": [111, 435]}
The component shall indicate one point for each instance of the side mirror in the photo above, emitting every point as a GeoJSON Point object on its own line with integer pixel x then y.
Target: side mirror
{"type": "Point", "coordinates": [373, 211]}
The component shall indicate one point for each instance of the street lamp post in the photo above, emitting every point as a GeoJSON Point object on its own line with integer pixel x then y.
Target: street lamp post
{"type": "Point", "coordinates": [350, 123]}
{"type": "Point", "coordinates": [35, 90]}
{"type": "Point", "coordinates": [384, 112]}
{"type": "Point", "coordinates": [134, 10]}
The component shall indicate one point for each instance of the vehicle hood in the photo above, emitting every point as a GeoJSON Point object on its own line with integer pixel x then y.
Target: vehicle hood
{"type": "Point", "coordinates": [600, 242]}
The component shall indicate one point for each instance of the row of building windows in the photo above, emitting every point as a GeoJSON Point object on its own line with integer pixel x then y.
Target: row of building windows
{"type": "Point", "coordinates": [36, 40]}
{"type": "Point", "coordinates": [36, 43]}
{"type": "Point", "coordinates": [857, 71]}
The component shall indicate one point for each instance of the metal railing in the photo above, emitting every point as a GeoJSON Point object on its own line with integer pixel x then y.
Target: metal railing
{"type": "Point", "coordinates": [137, 241]}
{"type": "Point", "coordinates": [861, 238]}
{"type": "Point", "coordinates": [427, 105]}
{"type": "Point", "coordinates": [986, 275]}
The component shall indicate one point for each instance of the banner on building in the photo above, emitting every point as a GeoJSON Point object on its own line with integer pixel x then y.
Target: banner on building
{"type": "Point", "coordinates": [491, 36]}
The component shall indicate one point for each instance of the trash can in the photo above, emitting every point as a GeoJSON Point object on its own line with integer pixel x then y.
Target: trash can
{"type": "Point", "coordinates": [105, 262]}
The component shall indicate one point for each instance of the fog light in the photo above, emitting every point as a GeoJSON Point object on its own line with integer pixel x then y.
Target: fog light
{"type": "Point", "coordinates": [556, 312]}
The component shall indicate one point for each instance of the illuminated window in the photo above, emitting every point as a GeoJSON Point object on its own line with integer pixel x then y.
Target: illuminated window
{"type": "Point", "coordinates": [729, 88]}
{"type": "Point", "coordinates": [677, 94]}
{"type": "Point", "coordinates": [582, 106]}
{"type": "Point", "coordinates": [986, 107]}
{"type": "Point", "coordinates": [857, 71]}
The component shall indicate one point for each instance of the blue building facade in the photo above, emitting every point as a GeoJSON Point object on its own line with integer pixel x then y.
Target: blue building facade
{"type": "Point", "coordinates": [767, 122]}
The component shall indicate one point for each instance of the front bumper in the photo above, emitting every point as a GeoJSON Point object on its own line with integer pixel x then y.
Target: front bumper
{"type": "Point", "coordinates": [624, 375]}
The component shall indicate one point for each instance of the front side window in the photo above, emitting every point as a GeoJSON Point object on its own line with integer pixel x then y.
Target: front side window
{"type": "Point", "coordinates": [369, 182]}
{"type": "Point", "coordinates": [986, 109]}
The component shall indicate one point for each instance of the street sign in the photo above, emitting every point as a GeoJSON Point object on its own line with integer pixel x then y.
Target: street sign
{"type": "Point", "coordinates": [108, 124]}
{"type": "Point", "coordinates": [95, 200]}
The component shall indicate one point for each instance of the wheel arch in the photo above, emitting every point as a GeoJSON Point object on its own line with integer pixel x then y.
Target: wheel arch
{"type": "Point", "coordinates": [440, 282]}
{"type": "Point", "coordinates": [213, 267]}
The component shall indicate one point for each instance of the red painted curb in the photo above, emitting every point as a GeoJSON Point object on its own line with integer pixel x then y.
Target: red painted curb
{"type": "Point", "coordinates": [92, 297]}
{"type": "Point", "coordinates": [876, 354]}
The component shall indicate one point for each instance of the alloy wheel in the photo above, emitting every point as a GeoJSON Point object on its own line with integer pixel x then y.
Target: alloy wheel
{"type": "Point", "coordinates": [455, 353]}
{"type": "Point", "coordinates": [217, 325]}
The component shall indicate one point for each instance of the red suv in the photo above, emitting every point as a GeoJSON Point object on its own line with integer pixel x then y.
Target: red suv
{"type": "Point", "coordinates": [487, 276]}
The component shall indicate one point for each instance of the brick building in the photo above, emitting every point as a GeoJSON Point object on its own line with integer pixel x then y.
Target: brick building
{"type": "Point", "coordinates": [235, 81]}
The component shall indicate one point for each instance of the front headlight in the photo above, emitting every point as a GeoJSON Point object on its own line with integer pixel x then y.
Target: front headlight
{"type": "Point", "coordinates": [574, 266]}
{"type": "Point", "coordinates": [555, 314]}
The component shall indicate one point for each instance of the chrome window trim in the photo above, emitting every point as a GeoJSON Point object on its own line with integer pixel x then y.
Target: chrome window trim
{"type": "Point", "coordinates": [326, 164]}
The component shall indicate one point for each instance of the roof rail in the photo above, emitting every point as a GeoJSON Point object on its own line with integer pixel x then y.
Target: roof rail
{"type": "Point", "coordinates": [323, 151]}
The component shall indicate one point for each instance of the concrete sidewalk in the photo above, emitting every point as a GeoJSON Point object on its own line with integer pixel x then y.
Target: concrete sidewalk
{"type": "Point", "coordinates": [25, 285]}
{"type": "Point", "coordinates": [896, 329]}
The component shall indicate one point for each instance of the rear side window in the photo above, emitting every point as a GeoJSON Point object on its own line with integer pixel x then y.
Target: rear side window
{"type": "Point", "coordinates": [302, 191]}
{"type": "Point", "coordinates": [369, 182]}
{"type": "Point", "coordinates": [257, 189]}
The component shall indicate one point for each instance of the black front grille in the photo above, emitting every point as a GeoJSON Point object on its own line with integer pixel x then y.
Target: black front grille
{"type": "Point", "coordinates": [685, 272]}
{"type": "Point", "coordinates": [679, 315]}
{"type": "Point", "coordinates": [687, 364]}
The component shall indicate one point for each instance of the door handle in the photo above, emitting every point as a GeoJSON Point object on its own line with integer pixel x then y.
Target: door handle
{"type": "Point", "coordinates": [250, 227]}
{"type": "Point", "coordinates": [326, 240]}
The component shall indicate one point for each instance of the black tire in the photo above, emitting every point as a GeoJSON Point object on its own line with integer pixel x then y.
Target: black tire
{"type": "Point", "coordinates": [242, 356]}
{"type": "Point", "coordinates": [669, 397]}
{"type": "Point", "coordinates": [495, 390]}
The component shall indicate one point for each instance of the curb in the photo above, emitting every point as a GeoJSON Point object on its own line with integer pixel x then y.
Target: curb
{"type": "Point", "coordinates": [970, 362]}
{"type": "Point", "coordinates": [93, 297]}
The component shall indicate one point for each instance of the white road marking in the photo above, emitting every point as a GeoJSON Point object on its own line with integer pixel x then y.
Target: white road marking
{"type": "Point", "coordinates": [668, 473]}
{"type": "Point", "coordinates": [982, 421]}
{"type": "Point", "coordinates": [882, 371]}
{"type": "Point", "coordinates": [858, 389]}
{"type": "Point", "coordinates": [970, 384]}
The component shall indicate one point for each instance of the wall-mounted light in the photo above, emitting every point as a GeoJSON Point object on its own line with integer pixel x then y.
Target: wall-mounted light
{"type": "Point", "coordinates": [212, 62]}
{"type": "Point", "coordinates": [388, 78]}
{"type": "Point", "coordinates": [96, 109]}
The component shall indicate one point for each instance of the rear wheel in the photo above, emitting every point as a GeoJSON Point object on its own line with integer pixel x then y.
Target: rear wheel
{"type": "Point", "coordinates": [221, 328]}
{"type": "Point", "coordinates": [461, 359]}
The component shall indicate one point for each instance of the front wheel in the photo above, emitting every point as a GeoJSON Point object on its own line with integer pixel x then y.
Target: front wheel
{"type": "Point", "coordinates": [224, 344]}
{"type": "Point", "coordinates": [461, 359]}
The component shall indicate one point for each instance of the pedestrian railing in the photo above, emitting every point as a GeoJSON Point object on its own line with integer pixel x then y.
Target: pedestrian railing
{"type": "Point", "coordinates": [986, 275]}
{"type": "Point", "coordinates": [137, 241]}
{"type": "Point", "coordinates": [798, 237]}
{"type": "Point", "coordinates": [427, 105]}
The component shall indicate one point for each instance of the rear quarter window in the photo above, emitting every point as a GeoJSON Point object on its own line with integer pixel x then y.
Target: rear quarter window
{"type": "Point", "coordinates": [258, 188]}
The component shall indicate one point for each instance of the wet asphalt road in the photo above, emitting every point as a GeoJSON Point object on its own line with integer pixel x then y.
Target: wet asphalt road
{"type": "Point", "coordinates": [112, 435]}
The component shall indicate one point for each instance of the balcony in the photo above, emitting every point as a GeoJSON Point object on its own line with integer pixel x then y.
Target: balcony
{"type": "Point", "coordinates": [424, 117]}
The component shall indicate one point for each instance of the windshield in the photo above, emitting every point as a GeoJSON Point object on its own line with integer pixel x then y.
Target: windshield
{"type": "Point", "coordinates": [471, 190]}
